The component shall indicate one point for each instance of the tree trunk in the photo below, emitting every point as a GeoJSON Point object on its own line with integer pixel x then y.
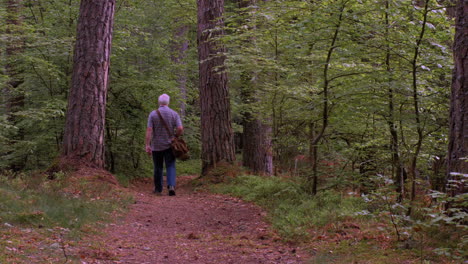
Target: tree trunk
{"type": "Point", "coordinates": [398, 172]}
{"type": "Point", "coordinates": [179, 50]}
{"type": "Point", "coordinates": [257, 150]}
{"type": "Point", "coordinates": [85, 124]}
{"type": "Point", "coordinates": [315, 141]}
{"type": "Point", "coordinates": [457, 165]}
{"type": "Point", "coordinates": [313, 156]}
{"type": "Point", "coordinates": [417, 114]}
{"type": "Point", "coordinates": [216, 130]}
{"type": "Point", "coordinates": [13, 94]}
{"type": "Point", "coordinates": [257, 146]}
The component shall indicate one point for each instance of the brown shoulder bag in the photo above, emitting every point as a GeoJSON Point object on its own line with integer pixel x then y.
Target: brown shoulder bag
{"type": "Point", "coordinates": [178, 145]}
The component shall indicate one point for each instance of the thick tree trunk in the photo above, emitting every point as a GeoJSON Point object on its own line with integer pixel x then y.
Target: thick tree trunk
{"type": "Point", "coordinates": [257, 149]}
{"type": "Point", "coordinates": [84, 129]}
{"type": "Point", "coordinates": [457, 166]}
{"type": "Point", "coordinates": [216, 130]}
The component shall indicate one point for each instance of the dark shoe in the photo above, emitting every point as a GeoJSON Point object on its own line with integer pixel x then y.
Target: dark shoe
{"type": "Point", "coordinates": [171, 191]}
{"type": "Point", "coordinates": [157, 193]}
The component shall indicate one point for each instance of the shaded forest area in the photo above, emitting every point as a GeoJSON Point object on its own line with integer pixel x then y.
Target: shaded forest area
{"type": "Point", "coordinates": [332, 99]}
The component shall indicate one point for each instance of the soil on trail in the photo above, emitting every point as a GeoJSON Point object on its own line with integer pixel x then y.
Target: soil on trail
{"type": "Point", "coordinates": [191, 227]}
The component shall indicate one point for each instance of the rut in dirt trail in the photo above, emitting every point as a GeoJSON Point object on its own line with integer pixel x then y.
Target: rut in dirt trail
{"type": "Point", "coordinates": [192, 227]}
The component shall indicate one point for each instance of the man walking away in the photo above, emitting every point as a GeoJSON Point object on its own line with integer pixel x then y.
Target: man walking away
{"type": "Point", "coordinates": [158, 143]}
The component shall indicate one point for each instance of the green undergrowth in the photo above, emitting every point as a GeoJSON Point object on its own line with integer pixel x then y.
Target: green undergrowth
{"type": "Point", "coordinates": [42, 217]}
{"type": "Point", "coordinates": [189, 167]}
{"type": "Point", "coordinates": [292, 211]}
{"type": "Point", "coordinates": [340, 228]}
{"type": "Point", "coordinates": [36, 201]}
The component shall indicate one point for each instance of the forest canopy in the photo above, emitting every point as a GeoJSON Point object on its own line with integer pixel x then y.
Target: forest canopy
{"type": "Point", "coordinates": [339, 78]}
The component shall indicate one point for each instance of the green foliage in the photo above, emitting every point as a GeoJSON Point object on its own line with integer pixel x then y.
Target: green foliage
{"type": "Point", "coordinates": [286, 46]}
{"type": "Point", "coordinates": [43, 41]}
{"type": "Point", "coordinates": [142, 69]}
{"type": "Point", "coordinates": [189, 167]}
{"type": "Point", "coordinates": [444, 231]}
{"type": "Point", "coordinates": [280, 50]}
{"type": "Point", "coordinates": [293, 211]}
{"type": "Point", "coordinates": [38, 202]}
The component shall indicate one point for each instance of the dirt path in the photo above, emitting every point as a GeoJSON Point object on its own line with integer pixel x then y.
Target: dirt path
{"type": "Point", "coordinates": [192, 227]}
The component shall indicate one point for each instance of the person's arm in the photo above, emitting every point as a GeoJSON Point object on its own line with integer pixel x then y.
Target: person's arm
{"type": "Point", "coordinates": [179, 127]}
{"type": "Point", "coordinates": [149, 134]}
{"type": "Point", "coordinates": [179, 131]}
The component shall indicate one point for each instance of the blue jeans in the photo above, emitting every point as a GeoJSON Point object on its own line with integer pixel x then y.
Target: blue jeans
{"type": "Point", "coordinates": [159, 158]}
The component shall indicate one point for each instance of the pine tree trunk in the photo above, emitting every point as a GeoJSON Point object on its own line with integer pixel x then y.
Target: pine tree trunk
{"type": "Point", "coordinates": [85, 125]}
{"type": "Point", "coordinates": [216, 130]}
{"type": "Point", "coordinates": [458, 136]}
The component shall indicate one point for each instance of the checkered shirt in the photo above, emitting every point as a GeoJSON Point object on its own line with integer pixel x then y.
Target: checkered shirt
{"type": "Point", "coordinates": [160, 139]}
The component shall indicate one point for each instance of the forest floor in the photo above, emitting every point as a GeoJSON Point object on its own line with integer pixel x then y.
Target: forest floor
{"type": "Point", "coordinates": [191, 227]}
{"type": "Point", "coordinates": [60, 220]}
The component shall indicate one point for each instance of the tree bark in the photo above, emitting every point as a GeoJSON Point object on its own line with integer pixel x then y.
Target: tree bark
{"type": "Point", "coordinates": [457, 165]}
{"type": "Point", "coordinates": [85, 119]}
{"type": "Point", "coordinates": [13, 94]}
{"type": "Point", "coordinates": [257, 153]}
{"type": "Point", "coordinates": [216, 130]}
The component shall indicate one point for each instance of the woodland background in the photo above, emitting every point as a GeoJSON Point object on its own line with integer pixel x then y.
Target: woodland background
{"type": "Point", "coordinates": [341, 96]}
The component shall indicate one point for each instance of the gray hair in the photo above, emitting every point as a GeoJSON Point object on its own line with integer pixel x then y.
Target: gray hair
{"type": "Point", "coordinates": [164, 99]}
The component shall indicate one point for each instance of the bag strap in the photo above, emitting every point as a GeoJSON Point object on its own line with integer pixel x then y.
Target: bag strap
{"type": "Point", "coordinates": [164, 123]}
